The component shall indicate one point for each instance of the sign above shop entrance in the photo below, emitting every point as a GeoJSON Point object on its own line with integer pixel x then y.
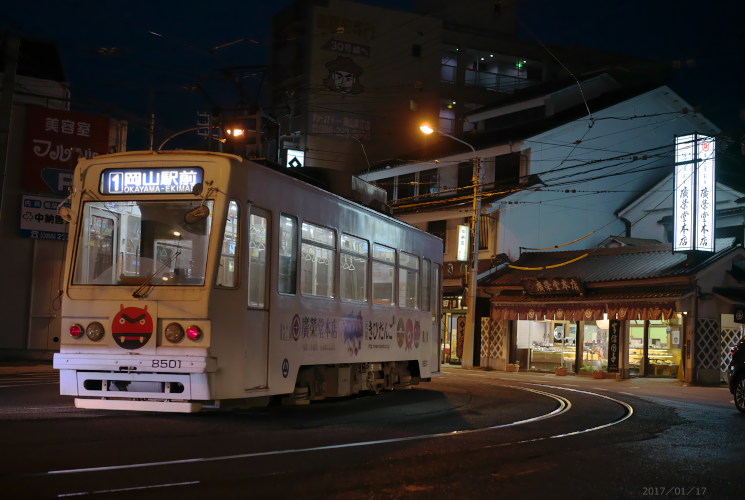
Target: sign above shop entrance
{"type": "Point", "coordinates": [553, 286]}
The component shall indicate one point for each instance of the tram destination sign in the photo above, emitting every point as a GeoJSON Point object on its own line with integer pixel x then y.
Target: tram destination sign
{"type": "Point", "coordinates": [178, 180]}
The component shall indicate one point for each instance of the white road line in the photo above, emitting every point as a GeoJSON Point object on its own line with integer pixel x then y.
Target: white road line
{"type": "Point", "coordinates": [133, 488]}
{"type": "Point", "coordinates": [564, 406]}
{"type": "Point", "coordinates": [28, 385]}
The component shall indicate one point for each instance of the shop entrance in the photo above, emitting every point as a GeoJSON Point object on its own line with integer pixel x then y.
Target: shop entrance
{"type": "Point", "coordinates": [655, 347]}
{"type": "Point", "coordinates": [546, 345]}
{"type": "Point", "coordinates": [455, 327]}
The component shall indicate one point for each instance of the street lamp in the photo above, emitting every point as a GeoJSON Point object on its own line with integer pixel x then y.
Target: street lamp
{"type": "Point", "coordinates": [471, 285]}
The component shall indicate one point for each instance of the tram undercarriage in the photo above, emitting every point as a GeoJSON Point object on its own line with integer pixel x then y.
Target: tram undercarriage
{"type": "Point", "coordinates": [332, 381]}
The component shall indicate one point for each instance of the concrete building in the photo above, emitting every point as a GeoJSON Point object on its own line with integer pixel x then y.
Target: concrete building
{"type": "Point", "coordinates": [41, 143]}
{"type": "Point", "coordinates": [350, 82]}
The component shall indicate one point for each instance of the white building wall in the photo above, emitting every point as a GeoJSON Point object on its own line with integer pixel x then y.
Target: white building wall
{"type": "Point", "coordinates": [644, 214]}
{"type": "Point", "coordinates": [608, 161]}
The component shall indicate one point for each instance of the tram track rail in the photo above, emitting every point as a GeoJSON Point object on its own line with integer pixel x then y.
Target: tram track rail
{"type": "Point", "coordinates": [529, 429]}
{"type": "Point", "coordinates": [564, 405]}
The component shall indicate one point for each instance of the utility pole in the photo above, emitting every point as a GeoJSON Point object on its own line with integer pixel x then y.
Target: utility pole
{"type": "Point", "coordinates": [12, 51]}
{"type": "Point", "coordinates": [472, 283]}
{"type": "Point", "coordinates": [473, 272]}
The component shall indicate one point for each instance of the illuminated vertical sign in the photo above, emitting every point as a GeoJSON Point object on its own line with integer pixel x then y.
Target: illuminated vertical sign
{"type": "Point", "coordinates": [614, 345]}
{"type": "Point", "coordinates": [464, 235]}
{"type": "Point", "coordinates": [705, 191]}
{"type": "Point", "coordinates": [694, 202]}
{"type": "Point", "coordinates": [684, 193]}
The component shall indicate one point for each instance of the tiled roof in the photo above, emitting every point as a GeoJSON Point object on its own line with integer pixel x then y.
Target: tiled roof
{"type": "Point", "coordinates": [602, 265]}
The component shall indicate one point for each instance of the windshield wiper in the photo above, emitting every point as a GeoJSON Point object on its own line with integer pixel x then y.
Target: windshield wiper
{"type": "Point", "coordinates": [147, 285]}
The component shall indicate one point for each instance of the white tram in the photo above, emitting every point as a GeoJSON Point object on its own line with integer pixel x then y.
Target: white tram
{"type": "Point", "coordinates": [198, 279]}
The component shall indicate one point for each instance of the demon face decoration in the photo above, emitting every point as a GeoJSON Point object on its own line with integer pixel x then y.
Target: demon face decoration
{"type": "Point", "coordinates": [132, 327]}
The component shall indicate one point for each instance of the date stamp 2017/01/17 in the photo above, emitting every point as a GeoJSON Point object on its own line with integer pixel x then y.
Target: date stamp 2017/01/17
{"type": "Point", "coordinates": [675, 491]}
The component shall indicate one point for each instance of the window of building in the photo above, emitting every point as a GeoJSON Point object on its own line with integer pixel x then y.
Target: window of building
{"type": "Point", "coordinates": [318, 253]}
{"type": "Point", "coordinates": [227, 274]}
{"type": "Point", "coordinates": [383, 274]}
{"type": "Point", "coordinates": [287, 254]}
{"type": "Point", "coordinates": [406, 186]}
{"type": "Point", "coordinates": [485, 225]}
{"type": "Point", "coordinates": [389, 185]}
{"type": "Point", "coordinates": [499, 72]}
{"type": "Point", "coordinates": [449, 65]}
{"type": "Point", "coordinates": [465, 174]}
{"type": "Point", "coordinates": [408, 280]}
{"type": "Point", "coordinates": [447, 116]}
{"type": "Point", "coordinates": [416, 50]}
{"type": "Point", "coordinates": [353, 273]}
{"type": "Point", "coordinates": [428, 181]}
{"type": "Point", "coordinates": [507, 169]}
{"type": "Point", "coordinates": [439, 229]}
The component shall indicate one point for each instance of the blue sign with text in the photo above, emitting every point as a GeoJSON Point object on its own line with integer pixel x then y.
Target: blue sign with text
{"type": "Point", "coordinates": [176, 180]}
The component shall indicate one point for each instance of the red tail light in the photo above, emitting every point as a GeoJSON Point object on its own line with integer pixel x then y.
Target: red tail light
{"type": "Point", "coordinates": [76, 330]}
{"type": "Point", "coordinates": [193, 332]}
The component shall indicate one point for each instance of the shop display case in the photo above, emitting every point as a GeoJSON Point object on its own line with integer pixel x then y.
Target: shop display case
{"type": "Point", "coordinates": [661, 362]}
{"type": "Point", "coordinates": [548, 358]}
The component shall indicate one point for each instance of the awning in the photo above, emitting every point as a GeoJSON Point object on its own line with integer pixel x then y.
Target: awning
{"type": "Point", "coordinates": [583, 312]}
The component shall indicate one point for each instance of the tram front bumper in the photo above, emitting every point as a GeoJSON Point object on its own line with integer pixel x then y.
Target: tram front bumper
{"type": "Point", "coordinates": [135, 377]}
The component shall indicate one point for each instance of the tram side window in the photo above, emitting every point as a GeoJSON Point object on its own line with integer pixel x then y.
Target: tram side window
{"type": "Point", "coordinates": [426, 285]}
{"type": "Point", "coordinates": [227, 275]}
{"type": "Point", "coordinates": [383, 274]}
{"type": "Point", "coordinates": [353, 274]}
{"type": "Point", "coordinates": [318, 249]}
{"type": "Point", "coordinates": [287, 254]}
{"type": "Point", "coordinates": [257, 256]}
{"type": "Point", "coordinates": [408, 280]}
{"type": "Point", "coordinates": [437, 313]}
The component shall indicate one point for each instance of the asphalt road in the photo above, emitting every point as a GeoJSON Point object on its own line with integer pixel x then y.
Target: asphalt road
{"type": "Point", "coordinates": [468, 434]}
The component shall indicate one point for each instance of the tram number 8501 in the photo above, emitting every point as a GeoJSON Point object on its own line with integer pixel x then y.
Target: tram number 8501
{"type": "Point", "coordinates": [166, 363]}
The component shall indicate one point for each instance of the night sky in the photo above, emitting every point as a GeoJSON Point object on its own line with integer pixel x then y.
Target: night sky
{"type": "Point", "coordinates": [126, 59]}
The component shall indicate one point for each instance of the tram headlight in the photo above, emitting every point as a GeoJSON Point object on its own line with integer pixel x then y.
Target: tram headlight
{"type": "Point", "coordinates": [194, 333]}
{"type": "Point", "coordinates": [76, 330]}
{"type": "Point", "coordinates": [95, 331]}
{"type": "Point", "coordinates": [174, 333]}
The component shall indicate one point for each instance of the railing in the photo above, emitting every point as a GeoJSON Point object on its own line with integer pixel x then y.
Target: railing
{"type": "Point", "coordinates": [497, 82]}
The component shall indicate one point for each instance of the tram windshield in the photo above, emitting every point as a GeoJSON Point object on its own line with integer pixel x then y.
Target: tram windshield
{"type": "Point", "coordinates": [143, 243]}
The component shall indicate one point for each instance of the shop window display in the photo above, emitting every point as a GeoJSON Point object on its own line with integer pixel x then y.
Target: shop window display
{"type": "Point", "coordinates": [551, 344]}
{"type": "Point", "coordinates": [595, 346]}
{"type": "Point", "coordinates": [663, 340]}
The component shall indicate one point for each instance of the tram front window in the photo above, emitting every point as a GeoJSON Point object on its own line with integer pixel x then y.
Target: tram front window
{"type": "Point", "coordinates": [141, 242]}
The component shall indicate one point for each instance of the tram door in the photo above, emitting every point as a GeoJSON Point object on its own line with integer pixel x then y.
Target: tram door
{"type": "Point", "coordinates": [257, 334]}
